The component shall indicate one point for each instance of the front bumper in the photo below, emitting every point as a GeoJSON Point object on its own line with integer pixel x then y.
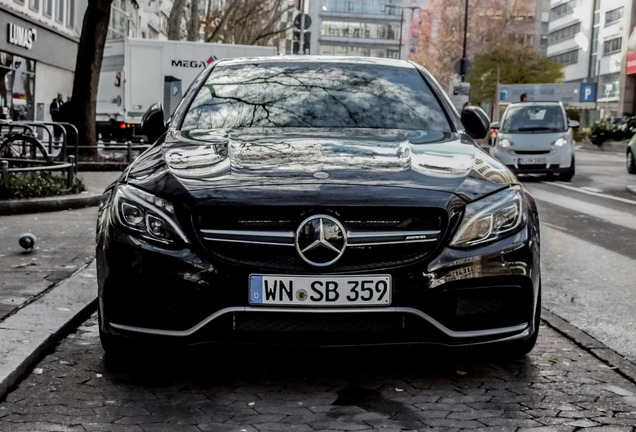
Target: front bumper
{"type": "Point", "coordinates": [458, 297]}
{"type": "Point", "coordinates": [557, 160]}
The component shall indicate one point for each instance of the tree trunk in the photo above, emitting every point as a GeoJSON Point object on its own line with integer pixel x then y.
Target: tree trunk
{"type": "Point", "coordinates": [87, 68]}
{"type": "Point", "coordinates": [194, 24]}
{"type": "Point", "coordinates": [175, 18]}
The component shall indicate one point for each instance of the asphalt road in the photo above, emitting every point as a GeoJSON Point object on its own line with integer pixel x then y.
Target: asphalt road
{"type": "Point", "coordinates": [589, 249]}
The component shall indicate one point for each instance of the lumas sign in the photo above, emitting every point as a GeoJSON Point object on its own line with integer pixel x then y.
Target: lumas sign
{"type": "Point", "coordinates": [21, 36]}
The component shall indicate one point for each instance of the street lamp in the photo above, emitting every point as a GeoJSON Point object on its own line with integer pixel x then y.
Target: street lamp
{"type": "Point", "coordinates": [465, 65]}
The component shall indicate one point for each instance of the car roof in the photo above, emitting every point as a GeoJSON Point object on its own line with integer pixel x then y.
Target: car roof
{"type": "Point", "coordinates": [288, 59]}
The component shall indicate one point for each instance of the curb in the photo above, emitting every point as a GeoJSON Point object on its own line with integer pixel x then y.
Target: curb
{"type": "Point", "coordinates": [48, 204]}
{"type": "Point", "coordinates": [32, 331]}
{"type": "Point", "coordinates": [615, 361]}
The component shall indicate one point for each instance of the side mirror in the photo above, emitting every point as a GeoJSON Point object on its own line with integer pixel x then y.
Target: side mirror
{"type": "Point", "coordinates": [153, 124]}
{"type": "Point", "coordinates": [573, 124]}
{"type": "Point", "coordinates": [475, 121]}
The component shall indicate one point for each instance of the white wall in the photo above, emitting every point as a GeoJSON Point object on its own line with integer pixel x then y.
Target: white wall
{"type": "Point", "coordinates": [49, 81]}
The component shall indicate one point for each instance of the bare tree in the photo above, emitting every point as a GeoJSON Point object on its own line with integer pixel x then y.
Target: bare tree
{"type": "Point", "coordinates": [492, 24]}
{"type": "Point", "coordinates": [248, 22]}
{"type": "Point", "coordinates": [82, 109]}
{"type": "Point", "coordinates": [175, 19]}
{"type": "Point", "coordinates": [194, 24]}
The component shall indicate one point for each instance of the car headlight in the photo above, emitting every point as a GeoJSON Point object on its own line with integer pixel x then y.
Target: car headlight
{"type": "Point", "coordinates": [147, 215]}
{"type": "Point", "coordinates": [504, 143]}
{"type": "Point", "coordinates": [490, 219]}
{"type": "Point", "coordinates": [560, 142]}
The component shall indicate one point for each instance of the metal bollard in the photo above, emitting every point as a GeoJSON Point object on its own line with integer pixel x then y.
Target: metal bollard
{"type": "Point", "coordinates": [4, 169]}
{"type": "Point", "coordinates": [128, 151]}
{"type": "Point", "coordinates": [71, 171]}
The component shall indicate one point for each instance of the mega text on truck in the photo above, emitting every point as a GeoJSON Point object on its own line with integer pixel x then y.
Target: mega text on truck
{"type": "Point", "coordinates": [137, 73]}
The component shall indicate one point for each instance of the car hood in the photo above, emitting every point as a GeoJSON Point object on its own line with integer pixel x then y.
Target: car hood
{"type": "Point", "coordinates": [536, 141]}
{"type": "Point", "coordinates": [307, 164]}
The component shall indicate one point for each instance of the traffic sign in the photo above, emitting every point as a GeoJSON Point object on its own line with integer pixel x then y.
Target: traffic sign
{"type": "Point", "coordinates": [307, 21]}
{"type": "Point", "coordinates": [463, 66]}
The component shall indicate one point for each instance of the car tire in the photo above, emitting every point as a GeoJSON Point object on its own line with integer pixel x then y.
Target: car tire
{"type": "Point", "coordinates": [567, 176]}
{"type": "Point", "coordinates": [631, 162]}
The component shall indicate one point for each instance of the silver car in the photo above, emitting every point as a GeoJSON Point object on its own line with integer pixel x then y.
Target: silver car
{"type": "Point", "coordinates": [536, 137]}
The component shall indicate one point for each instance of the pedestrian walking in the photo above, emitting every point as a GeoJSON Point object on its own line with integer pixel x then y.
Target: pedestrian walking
{"type": "Point", "coordinates": [54, 110]}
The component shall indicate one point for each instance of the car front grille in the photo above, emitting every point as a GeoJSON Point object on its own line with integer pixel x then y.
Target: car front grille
{"type": "Point", "coordinates": [531, 152]}
{"type": "Point", "coordinates": [264, 238]}
{"type": "Point", "coordinates": [535, 167]}
{"type": "Point", "coordinates": [327, 329]}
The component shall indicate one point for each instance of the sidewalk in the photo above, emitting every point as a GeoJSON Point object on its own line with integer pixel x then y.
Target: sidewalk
{"type": "Point", "coordinates": [46, 292]}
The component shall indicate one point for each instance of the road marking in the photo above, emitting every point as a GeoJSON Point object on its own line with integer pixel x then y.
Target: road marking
{"type": "Point", "coordinates": [616, 217]}
{"type": "Point", "coordinates": [590, 191]}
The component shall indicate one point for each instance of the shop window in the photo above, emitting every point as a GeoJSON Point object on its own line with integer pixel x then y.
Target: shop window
{"type": "Point", "coordinates": [17, 87]}
{"type": "Point", "coordinates": [609, 86]}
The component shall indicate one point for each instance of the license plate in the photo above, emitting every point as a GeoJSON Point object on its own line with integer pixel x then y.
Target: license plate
{"type": "Point", "coordinates": [532, 161]}
{"type": "Point", "coordinates": [320, 291]}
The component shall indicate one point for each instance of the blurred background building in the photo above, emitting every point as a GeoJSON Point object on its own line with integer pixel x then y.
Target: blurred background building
{"type": "Point", "coordinates": [590, 39]}
{"type": "Point", "coordinates": [372, 28]}
{"type": "Point", "coordinates": [593, 40]}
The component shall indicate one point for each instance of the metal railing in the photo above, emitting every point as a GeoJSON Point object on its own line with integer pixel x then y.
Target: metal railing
{"type": "Point", "coordinates": [57, 155]}
{"type": "Point", "coordinates": [70, 167]}
{"type": "Point", "coordinates": [44, 132]}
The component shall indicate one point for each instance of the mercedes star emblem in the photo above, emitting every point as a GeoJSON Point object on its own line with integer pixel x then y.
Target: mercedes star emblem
{"type": "Point", "coordinates": [320, 240]}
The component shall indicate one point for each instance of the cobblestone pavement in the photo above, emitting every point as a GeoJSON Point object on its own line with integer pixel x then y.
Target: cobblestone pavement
{"type": "Point", "coordinates": [558, 387]}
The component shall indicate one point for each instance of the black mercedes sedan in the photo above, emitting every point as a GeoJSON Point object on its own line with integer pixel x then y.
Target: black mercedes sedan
{"type": "Point", "coordinates": [321, 201]}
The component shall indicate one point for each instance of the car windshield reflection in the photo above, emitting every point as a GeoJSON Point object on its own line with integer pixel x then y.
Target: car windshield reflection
{"type": "Point", "coordinates": [302, 94]}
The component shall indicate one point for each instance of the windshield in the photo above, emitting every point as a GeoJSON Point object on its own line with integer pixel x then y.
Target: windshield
{"type": "Point", "coordinates": [315, 95]}
{"type": "Point", "coordinates": [533, 118]}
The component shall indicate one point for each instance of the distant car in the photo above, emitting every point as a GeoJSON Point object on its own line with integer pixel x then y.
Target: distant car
{"type": "Point", "coordinates": [324, 201]}
{"type": "Point", "coordinates": [536, 138]}
{"type": "Point", "coordinates": [631, 156]}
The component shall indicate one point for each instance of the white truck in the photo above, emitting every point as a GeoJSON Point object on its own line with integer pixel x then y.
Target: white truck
{"type": "Point", "coordinates": [137, 73]}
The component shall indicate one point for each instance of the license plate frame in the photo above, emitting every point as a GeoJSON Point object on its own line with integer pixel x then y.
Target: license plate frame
{"type": "Point", "coordinates": [532, 161]}
{"type": "Point", "coordinates": [320, 291]}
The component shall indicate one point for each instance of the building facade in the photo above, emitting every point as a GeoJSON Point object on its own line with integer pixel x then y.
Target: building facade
{"type": "Point", "coordinates": [38, 50]}
{"type": "Point", "coordinates": [372, 28]}
{"type": "Point", "coordinates": [590, 39]}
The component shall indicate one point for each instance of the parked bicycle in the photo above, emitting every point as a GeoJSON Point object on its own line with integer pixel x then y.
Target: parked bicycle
{"type": "Point", "coordinates": [22, 144]}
